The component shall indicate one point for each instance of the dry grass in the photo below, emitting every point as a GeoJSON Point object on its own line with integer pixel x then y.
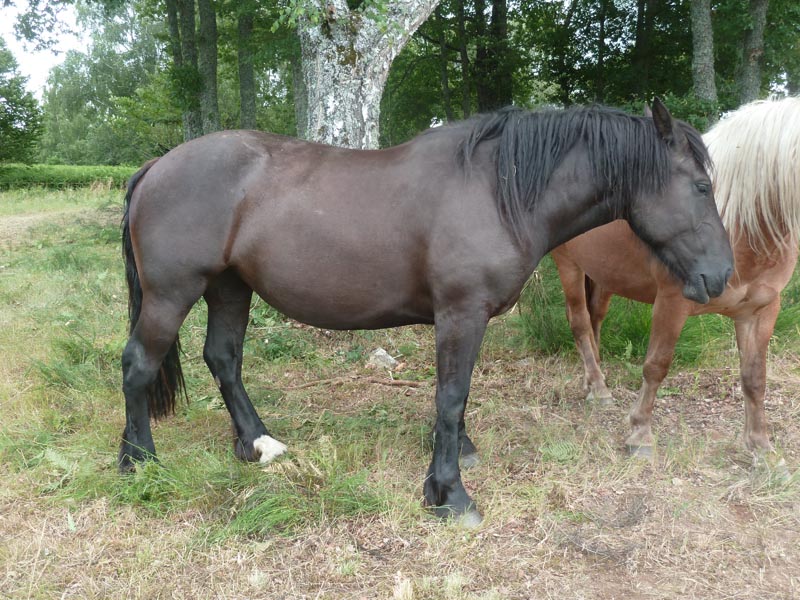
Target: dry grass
{"type": "Point", "coordinates": [567, 514]}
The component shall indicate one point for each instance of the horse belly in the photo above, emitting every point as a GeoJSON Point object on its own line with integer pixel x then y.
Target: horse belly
{"type": "Point", "coordinates": [336, 291]}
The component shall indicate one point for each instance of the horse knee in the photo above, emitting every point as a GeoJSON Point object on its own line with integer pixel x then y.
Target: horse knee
{"type": "Point", "coordinates": [655, 371]}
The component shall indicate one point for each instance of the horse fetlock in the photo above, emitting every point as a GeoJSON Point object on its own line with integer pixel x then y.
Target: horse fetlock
{"type": "Point", "coordinates": [758, 442]}
{"type": "Point", "coordinates": [600, 394]}
{"type": "Point", "coordinates": [451, 502]}
{"type": "Point", "coordinates": [641, 437]}
{"type": "Point", "coordinates": [130, 455]}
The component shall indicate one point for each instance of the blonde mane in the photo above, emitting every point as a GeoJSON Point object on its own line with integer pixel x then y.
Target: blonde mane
{"type": "Point", "coordinates": [756, 155]}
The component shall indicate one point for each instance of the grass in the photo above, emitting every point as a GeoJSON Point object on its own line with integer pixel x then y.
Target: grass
{"type": "Point", "coordinates": [567, 514]}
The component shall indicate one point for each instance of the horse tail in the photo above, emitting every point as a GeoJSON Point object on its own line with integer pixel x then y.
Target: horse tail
{"type": "Point", "coordinates": [169, 383]}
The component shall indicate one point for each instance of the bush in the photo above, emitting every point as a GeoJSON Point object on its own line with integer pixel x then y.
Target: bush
{"type": "Point", "coordinates": [15, 175]}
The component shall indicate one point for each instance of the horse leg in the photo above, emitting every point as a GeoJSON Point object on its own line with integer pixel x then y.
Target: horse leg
{"type": "Point", "coordinates": [752, 337]}
{"type": "Point", "coordinates": [228, 299]}
{"type": "Point", "coordinates": [598, 301]}
{"type": "Point", "coordinates": [468, 453]}
{"type": "Point", "coordinates": [458, 340]}
{"type": "Point", "coordinates": [573, 281]}
{"type": "Point", "coordinates": [668, 320]}
{"type": "Point", "coordinates": [152, 336]}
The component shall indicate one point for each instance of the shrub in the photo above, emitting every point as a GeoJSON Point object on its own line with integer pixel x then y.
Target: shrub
{"type": "Point", "coordinates": [16, 175]}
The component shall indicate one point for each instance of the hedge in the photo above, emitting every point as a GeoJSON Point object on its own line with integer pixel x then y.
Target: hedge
{"type": "Point", "coordinates": [15, 175]}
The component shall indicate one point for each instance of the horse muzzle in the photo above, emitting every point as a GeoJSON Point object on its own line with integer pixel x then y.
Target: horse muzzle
{"type": "Point", "coordinates": [701, 287]}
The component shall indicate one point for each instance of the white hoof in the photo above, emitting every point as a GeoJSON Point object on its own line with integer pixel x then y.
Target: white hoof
{"type": "Point", "coordinates": [269, 448]}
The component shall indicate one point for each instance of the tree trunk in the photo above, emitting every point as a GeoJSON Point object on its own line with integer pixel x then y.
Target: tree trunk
{"type": "Point", "coordinates": [599, 75]}
{"type": "Point", "coordinates": [300, 97]}
{"type": "Point", "coordinates": [563, 69]}
{"type": "Point", "coordinates": [752, 52]}
{"type": "Point", "coordinates": [247, 80]}
{"type": "Point", "coordinates": [703, 72]}
{"type": "Point", "coordinates": [493, 67]}
{"type": "Point", "coordinates": [346, 59]}
{"type": "Point", "coordinates": [466, 95]}
{"type": "Point", "coordinates": [643, 53]}
{"type": "Point", "coordinates": [207, 45]}
{"type": "Point", "coordinates": [443, 64]}
{"type": "Point", "coordinates": [189, 77]}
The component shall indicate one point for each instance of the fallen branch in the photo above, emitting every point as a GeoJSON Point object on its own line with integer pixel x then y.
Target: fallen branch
{"type": "Point", "coordinates": [358, 379]}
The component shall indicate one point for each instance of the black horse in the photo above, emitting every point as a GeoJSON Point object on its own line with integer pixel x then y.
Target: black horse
{"type": "Point", "coordinates": [444, 230]}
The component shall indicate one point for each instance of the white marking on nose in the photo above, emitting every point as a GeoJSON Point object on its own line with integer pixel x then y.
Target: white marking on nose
{"type": "Point", "coordinates": [269, 448]}
{"type": "Point", "coordinates": [217, 381]}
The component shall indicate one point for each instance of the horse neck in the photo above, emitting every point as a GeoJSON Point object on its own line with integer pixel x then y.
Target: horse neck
{"type": "Point", "coordinates": [571, 204]}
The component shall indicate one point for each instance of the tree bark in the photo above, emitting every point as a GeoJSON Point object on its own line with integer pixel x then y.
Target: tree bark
{"type": "Point", "coordinates": [703, 72]}
{"type": "Point", "coordinates": [189, 75]}
{"type": "Point", "coordinates": [563, 69]}
{"type": "Point", "coordinates": [753, 52]}
{"type": "Point", "coordinates": [247, 80]}
{"type": "Point", "coordinates": [300, 98]}
{"type": "Point", "coordinates": [643, 53]}
{"type": "Point", "coordinates": [463, 52]}
{"type": "Point", "coordinates": [493, 69]}
{"type": "Point", "coordinates": [443, 65]}
{"type": "Point", "coordinates": [207, 63]}
{"type": "Point", "coordinates": [345, 61]}
{"type": "Point", "coordinates": [599, 75]}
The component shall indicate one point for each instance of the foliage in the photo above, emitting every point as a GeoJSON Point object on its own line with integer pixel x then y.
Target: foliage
{"type": "Point", "coordinates": [20, 116]}
{"type": "Point", "coordinates": [119, 101]}
{"type": "Point", "coordinates": [15, 175]}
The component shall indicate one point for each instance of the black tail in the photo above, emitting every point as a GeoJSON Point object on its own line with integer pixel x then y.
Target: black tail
{"type": "Point", "coordinates": [169, 383]}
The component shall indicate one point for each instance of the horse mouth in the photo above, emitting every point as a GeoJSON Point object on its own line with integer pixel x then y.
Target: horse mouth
{"type": "Point", "coordinates": [695, 290]}
{"type": "Point", "coordinates": [701, 288]}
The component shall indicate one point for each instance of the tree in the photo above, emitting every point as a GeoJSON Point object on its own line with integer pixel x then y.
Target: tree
{"type": "Point", "coordinates": [207, 63]}
{"type": "Point", "coordinates": [346, 55]}
{"type": "Point", "coordinates": [703, 72]}
{"type": "Point", "coordinates": [749, 78]}
{"type": "Point", "coordinates": [20, 117]}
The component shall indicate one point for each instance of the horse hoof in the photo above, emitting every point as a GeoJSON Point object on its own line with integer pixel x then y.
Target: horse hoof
{"type": "Point", "coordinates": [470, 519]}
{"type": "Point", "coordinates": [268, 448]}
{"type": "Point", "coordinates": [644, 452]}
{"type": "Point", "coordinates": [602, 399]}
{"type": "Point", "coordinates": [467, 461]}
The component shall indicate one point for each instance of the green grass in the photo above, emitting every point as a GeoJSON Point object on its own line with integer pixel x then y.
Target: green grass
{"type": "Point", "coordinates": [340, 515]}
{"type": "Point", "coordinates": [16, 175]}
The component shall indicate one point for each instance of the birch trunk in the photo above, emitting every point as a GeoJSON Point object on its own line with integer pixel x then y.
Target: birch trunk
{"type": "Point", "coordinates": [345, 63]}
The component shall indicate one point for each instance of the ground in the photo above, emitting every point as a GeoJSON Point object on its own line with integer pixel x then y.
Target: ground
{"type": "Point", "coordinates": [567, 514]}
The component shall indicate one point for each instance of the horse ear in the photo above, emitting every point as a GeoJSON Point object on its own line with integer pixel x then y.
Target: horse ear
{"type": "Point", "coordinates": [667, 127]}
{"type": "Point", "coordinates": [647, 112]}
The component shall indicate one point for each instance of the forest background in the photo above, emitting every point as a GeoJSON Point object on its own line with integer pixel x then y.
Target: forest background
{"type": "Point", "coordinates": [374, 73]}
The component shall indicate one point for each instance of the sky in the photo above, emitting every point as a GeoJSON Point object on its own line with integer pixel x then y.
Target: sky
{"type": "Point", "coordinates": [36, 65]}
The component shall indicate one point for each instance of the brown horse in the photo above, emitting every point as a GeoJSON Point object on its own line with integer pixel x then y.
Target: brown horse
{"type": "Point", "coordinates": [444, 230]}
{"type": "Point", "coordinates": [756, 153]}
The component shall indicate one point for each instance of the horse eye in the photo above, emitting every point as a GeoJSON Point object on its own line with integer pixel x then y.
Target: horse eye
{"type": "Point", "coordinates": [702, 187]}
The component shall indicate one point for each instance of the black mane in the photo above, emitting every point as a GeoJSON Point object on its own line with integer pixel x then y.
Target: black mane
{"type": "Point", "coordinates": [627, 155]}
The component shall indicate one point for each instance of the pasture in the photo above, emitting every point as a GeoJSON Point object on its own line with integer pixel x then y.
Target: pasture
{"type": "Point", "coordinates": [566, 513]}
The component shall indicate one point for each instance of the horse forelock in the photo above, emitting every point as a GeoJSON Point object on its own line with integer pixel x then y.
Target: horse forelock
{"type": "Point", "coordinates": [627, 156]}
{"type": "Point", "coordinates": [756, 153]}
